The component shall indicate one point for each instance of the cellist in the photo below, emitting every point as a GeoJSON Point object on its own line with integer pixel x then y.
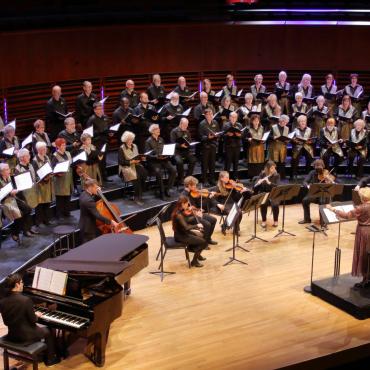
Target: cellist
{"type": "Point", "coordinates": [89, 214]}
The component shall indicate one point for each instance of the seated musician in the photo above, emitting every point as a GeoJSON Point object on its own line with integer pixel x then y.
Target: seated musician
{"type": "Point", "coordinates": [256, 151]}
{"type": "Point", "coordinates": [358, 148]}
{"type": "Point", "coordinates": [188, 229]}
{"type": "Point", "coordinates": [89, 214]}
{"type": "Point", "coordinates": [267, 180]}
{"type": "Point", "coordinates": [208, 129]}
{"type": "Point", "coordinates": [317, 116]}
{"type": "Point", "coordinates": [180, 136]}
{"type": "Point", "coordinates": [228, 192]}
{"type": "Point", "coordinates": [130, 168]}
{"type": "Point", "coordinates": [318, 175]}
{"type": "Point", "coordinates": [63, 182]}
{"type": "Point", "coordinates": [201, 200]}
{"type": "Point", "coordinates": [157, 163]}
{"type": "Point", "coordinates": [277, 147]}
{"type": "Point", "coordinates": [282, 91]}
{"type": "Point", "coordinates": [270, 112]}
{"type": "Point", "coordinates": [298, 107]}
{"type": "Point", "coordinates": [40, 135]}
{"type": "Point", "coordinates": [30, 196]}
{"type": "Point", "coordinates": [44, 188]}
{"type": "Point", "coordinates": [9, 141]}
{"type": "Point", "coordinates": [329, 143]}
{"type": "Point", "coordinates": [302, 145]}
{"type": "Point", "coordinates": [168, 115]}
{"type": "Point", "coordinates": [15, 209]}
{"type": "Point", "coordinates": [202, 106]}
{"type": "Point", "coordinates": [346, 114]}
{"type": "Point", "coordinates": [19, 316]}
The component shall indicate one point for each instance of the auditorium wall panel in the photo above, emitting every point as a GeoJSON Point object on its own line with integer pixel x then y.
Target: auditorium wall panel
{"type": "Point", "coordinates": [56, 55]}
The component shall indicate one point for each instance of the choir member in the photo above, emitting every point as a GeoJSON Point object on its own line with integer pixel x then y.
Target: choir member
{"type": "Point", "coordinates": [278, 147]}
{"type": "Point", "coordinates": [247, 109]}
{"type": "Point", "coordinates": [302, 145]}
{"type": "Point", "coordinates": [256, 153]}
{"type": "Point", "coordinates": [233, 134]}
{"type": "Point", "coordinates": [203, 205]}
{"type": "Point", "coordinates": [84, 103]}
{"type": "Point", "coordinates": [317, 116]}
{"type": "Point", "coordinates": [330, 144]}
{"type": "Point", "coordinates": [257, 88]}
{"type": "Point", "coordinates": [168, 115]}
{"type": "Point", "coordinates": [1, 123]}
{"type": "Point", "coordinates": [365, 115]}
{"type": "Point", "coordinates": [130, 93]}
{"type": "Point", "coordinates": [140, 129]}
{"type": "Point", "coordinates": [282, 91]}
{"type": "Point", "coordinates": [63, 182]}
{"type": "Point", "coordinates": [14, 208]}
{"type": "Point", "coordinates": [91, 168]}
{"type": "Point", "coordinates": [188, 230]}
{"type": "Point", "coordinates": [360, 261]}
{"type": "Point", "coordinates": [202, 106]}
{"type": "Point", "coordinates": [271, 112]}
{"type": "Point", "coordinates": [313, 177]}
{"type": "Point", "coordinates": [354, 91]}
{"type": "Point", "coordinates": [157, 163]}
{"type": "Point", "coordinates": [358, 147]}
{"type": "Point", "coordinates": [305, 87]}
{"type": "Point", "coordinates": [266, 181]}
{"type": "Point", "coordinates": [39, 135]}
{"type": "Point", "coordinates": [122, 116]}
{"type": "Point", "coordinates": [346, 115]}
{"type": "Point", "coordinates": [30, 195]}
{"type": "Point", "coordinates": [299, 107]}
{"type": "Point", "coordinates": [56, 109]}
{"type": "Point", "coordinates": [130, 167]}
{"type": "Point", "coordinates": [208, 130]}
{"type": "Point", "coordinates": [9, 141]}
{"type": "Point", "coordinates": [99, 122]}
{"type": "Point", "coordinates": [44, 187]}
{"type": "Point", "coordinates": [328, 90]}
{"type": "Point", "coordinates": [71, 136]}
{"type": "Point", "coordinates": [182, 89]}
{"type": "Point", "coordinates": [18, 314]}
{"type": "Point", "coordinates": [180, 136]}
{"type": "Point", "coordinates": [156, 91]}
{"type": "Point", "coordinates": [207, 88]}
{"type": "Point", "coordinates": [230, 88]}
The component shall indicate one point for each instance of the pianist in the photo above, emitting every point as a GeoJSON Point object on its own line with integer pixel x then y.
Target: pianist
{"type": "Point", "coordinates": [20, 318]}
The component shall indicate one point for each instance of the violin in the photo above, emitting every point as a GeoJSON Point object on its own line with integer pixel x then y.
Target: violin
{"type": "Point", "coordinates": [204, 193]}
{"type": "Point", "coordinates": [231, 184]}
{"type": "Point", "coordinates": [326, 177]}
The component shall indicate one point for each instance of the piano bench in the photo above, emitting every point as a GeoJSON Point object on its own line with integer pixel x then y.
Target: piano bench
{"type": "Point", "coordinates": [28, 353]}
{"type": "Point", "coordinates": [62, 232]}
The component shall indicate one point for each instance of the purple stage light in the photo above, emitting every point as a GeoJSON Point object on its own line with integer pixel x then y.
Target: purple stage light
{"type": "Point", "coordinates": [200, 87]}
{"type": "Point", "coordinates": [5, 105]}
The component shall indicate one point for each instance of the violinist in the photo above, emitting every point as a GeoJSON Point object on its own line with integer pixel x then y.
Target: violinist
{"type": "Point", "coordinates": [317, 175]}
{"type": "Point", "coordinates": [266, 181]}
{"type": "Point", "coordinates": [201, 199]}
{"type": "Point", "coordinates": [89, 214]}
{"type": "Point", "coordinates": [358, 147]}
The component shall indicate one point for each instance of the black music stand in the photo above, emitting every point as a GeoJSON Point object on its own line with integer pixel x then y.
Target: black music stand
{"type": "Point", "coordinates": [314, 229]}
{"type": "Point", "coordinates": [232, 221]}
{"type": "Point", "coordinates": [253, 203]}
{"type": "Point", "coordinates": [280, 194]}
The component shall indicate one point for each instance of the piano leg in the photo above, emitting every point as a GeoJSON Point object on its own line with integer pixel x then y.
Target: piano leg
{"type": "Point", "coordinates": [95, 350]}
{"type": "Point", "coordinates": [127, 288]}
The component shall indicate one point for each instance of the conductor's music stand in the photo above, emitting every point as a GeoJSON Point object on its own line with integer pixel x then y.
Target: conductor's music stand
{"type": "Point", "coordinates": [253, 203]}
{"type": "Point", "coordinates": [280, 194]}
{"type": "Point", "coordinates": [232, 221]}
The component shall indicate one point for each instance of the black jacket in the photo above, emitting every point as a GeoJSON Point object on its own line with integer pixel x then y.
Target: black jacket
{"type": "Point", "coordinates": [84, 107]}
{"type": "Point", "coordinates": [54, 121]}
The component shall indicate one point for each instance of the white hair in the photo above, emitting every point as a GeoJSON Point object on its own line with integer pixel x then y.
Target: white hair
{"type": "Point", "coordinates": [203, 93]}
{"type": "Point", "coordinates": [8, 129]}
{"type": "Point", "coordinates": [3, 166]}
{"type": "Point", "coordinates": [40, 144]}
{"type": "Point", "coordinates": [284, 118]}
{"type": "Point", "coordinates": [257, 76]}
{"type": "Point", "coordinates": [22, 152]}
{"type": "Point", "coordinates": [320, 98]}
{"type": "Point", "coordinates": [153, 127]}
{"type": "Point", "coordinates": [248, 95]}
{"type": "Point", "coordinates": [282, 73]}
{"type": "Point", "coordinates": [306, 75]}
{"type": "Point", "coordinates": [298, 94]}
{"type": "Point", "coordinates": [302, 118]}
{"type": "Point", "coordinates": [359, 122]}
{"type": "Point", "coordinates": [126, 136]}
{"type": "Point", "coordinates": [69, 120]}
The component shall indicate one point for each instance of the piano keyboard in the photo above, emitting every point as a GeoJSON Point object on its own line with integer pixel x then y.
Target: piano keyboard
{"type": "Point", "coordinates": [62, 318]}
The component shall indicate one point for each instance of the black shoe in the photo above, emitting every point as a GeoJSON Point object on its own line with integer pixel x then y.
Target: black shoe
{"type": "Point", "coordinates": [223, 229]}
{"type": "Point", "coordinates": [195, 263]}
{"type": "Point", "coordinates": [52, 362]}
{"type": "Point", "coordinates": [15, 238]}
{"type": "Point", "coordinates": [76, 193]}
{"type": "Point", "coordinates": [35, 230]}
{"type": "Point", "coordinates": [212, 242]}
{"type": "Point", "coordinates": [28, 234]}
{"type": "Point", "coordinates": [107, 180]}
{"type": "Point", "coordinates": [304, 222]}
{"type": "Point", "coordinates": [201, 258]}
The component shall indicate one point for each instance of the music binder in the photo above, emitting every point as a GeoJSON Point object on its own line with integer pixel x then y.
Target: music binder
{"type": "Point", "coordinates": [5, 190]}
{"type": "Point", "coordinates": [50, 280]}
{"type": "Point", "coordinates": [9, 152]}
{"type": "Point", "coordinates": [23, 181]}
{"type": "Point", "coordinates": [345, 119]}
{"type": "Point", "coordinates": [89, 131]}
{"type": "Point", "coordinates": [27, 140]}
{"type": "Point", "coordinates": [81, 157]}
{"type": "Point", "coordinates": [263, 95]}
{"type": "Point", "coordinates": [264, 137]}
{"type": "Point", "coordinates": [61, 167]}
{"type": "Point", "coordinates": [115, 127]}
{"type": "Point", "coordinates": [13, 123]}
{"type": "Point", "coordinates": [286, 139]}
{"type": "Point", "coordinates": [297, 114]}
{"type": "Point", "coordinates": [69, 114]}
{"type": "Point", "coordinates": [43, 171]}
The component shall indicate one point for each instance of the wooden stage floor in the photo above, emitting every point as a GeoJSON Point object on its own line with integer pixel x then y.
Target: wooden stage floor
{"type": "Point", "coordinates": [253, 316]}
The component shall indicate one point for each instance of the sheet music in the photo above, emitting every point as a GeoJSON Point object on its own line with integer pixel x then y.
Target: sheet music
{"type": "Point", "coordinates": [169, 95]}
{"type": "Point", "coordinates": [61, 167]}
{"type": "Point", "coordinates": [9, 151]}
{"type": "Point", "coordinates": [44, 279]}
{"type": "Point", "coordinates": [58, 282]}
{"type": "Point", "coordinates": [186, 113]}
{"type": "Point", "coordinates": [5, 190]}
{"type": "Point", "coordinates": [23, 181]}
{"type": "Point", "coordinates": [80, 157]}
{"type": "Point", "coordinates": [194, 143]}
{"type": "Point", "coordinates": [231, 216]}
{"type": "Point", "coordinates": [89, 131]}
{"type": "Point", "coordinates": [264, 200]}
{"type": "Point", "coordinates": [218, 94]}
{"type": "Point", "coordinates": [50, 280]}
{"type": "Point", "coordinates": [330, 215]}
{"type": "Point", "coordinates": [27, 140]}
{"type": "Point", "coordinates": [239, 92]}
{"type": "Point", "coordinates": [265, 136]}
{"type": "Point", "coordinates": [44, 170]}
{"type": "Point", "coordinates": [103, 149]}
{"type": "Point", "coordinates": [291, 135]}
{"type": "Point", "coordinates": [115, 128]}
{"type": "Point", "coordinates": [36, 277]}
{"type": "Point", "coordinates": [102, 101]}
{"type": "Point", "coordinates": [345, 208]}
{"type": "Point", "coordinates": [169, 149]}
{"type": "Point", "coordinates": [12, 123]}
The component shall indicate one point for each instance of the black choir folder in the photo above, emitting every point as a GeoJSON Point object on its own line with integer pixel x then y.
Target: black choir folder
{"type": "Point", "coordinates": [50, 280]}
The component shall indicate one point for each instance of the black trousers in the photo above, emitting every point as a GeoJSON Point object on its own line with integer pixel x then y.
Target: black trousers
{"type": "Point", "coordinates": [275, 211]}
{"type": "Point", "coordinates": [49, 339]}
{"type": "Point", "coordinates": [23, 223]}
{"type": "Point", "coordinates": [295, 161]}
{"type": "Point", "coordinates": [352, 154]}
{"type": "Point", "coordinates": [157, 168]}
{"type": "Point", "coordinates": [139, 183]}
{"type": "Point", "coordinates": [208, 162]}
{"type": "Point", "coordinates": [306, 202]}
{"type": "Point", "coordinates": [62, 205]}
{"type": "Point", "coordinates": [209, 222]}
{"type": "Point", "coordinates": [42, 213]}
{"type": "Point", "coordinates": [182, 158]}
{"type": "Point", "coordinates": [232, 155]}
{"type": "Point", "coordinates": [326, 158]}
{"type": "Point", "coordinates": [195, 243]}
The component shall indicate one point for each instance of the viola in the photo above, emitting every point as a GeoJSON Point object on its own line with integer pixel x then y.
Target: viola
{"type": "Point", "coordinates": [326, 177]}
{"type": "Point", "coordinates": [231, 184]}
{"type": "Point", "coordinates": [204, 193]}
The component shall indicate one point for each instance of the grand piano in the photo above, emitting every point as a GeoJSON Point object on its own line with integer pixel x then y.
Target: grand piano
{"type": "Point", "coordinates": [99, 277]}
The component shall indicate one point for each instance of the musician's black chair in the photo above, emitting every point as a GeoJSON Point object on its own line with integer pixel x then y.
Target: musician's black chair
{"type": "Point", "coordinates": [28, 353]}
{"type": "Point", "coordinates": [64, 239]}
{"type": "Point", "coordinates": [169, 242]}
